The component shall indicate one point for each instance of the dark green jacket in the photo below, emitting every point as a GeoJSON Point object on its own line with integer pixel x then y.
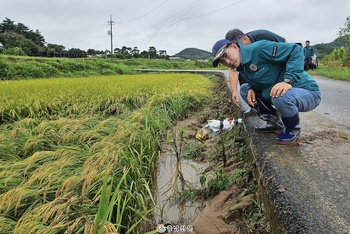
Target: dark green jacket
{"type": "Point", "coordinates": [263, 34]}
{"type": "Point", "coordinates": [308, 51]}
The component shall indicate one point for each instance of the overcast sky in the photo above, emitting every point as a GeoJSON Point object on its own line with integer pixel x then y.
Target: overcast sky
{"type": "Point", "coordinates": [174, 25]}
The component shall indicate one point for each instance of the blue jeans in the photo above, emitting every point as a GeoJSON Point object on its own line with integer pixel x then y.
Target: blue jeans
{"type": "Point", "coordinates": [294, 101]}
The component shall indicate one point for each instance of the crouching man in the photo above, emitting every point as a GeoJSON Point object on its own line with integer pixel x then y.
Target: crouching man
{"type": "Point", "coordinates": [278, 87]}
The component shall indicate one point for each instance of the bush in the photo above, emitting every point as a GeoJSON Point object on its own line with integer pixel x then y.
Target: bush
{"type": "Point", "coordinates": [33, 69]}
{"type": "Point", "coordinates": [4, 69]}
{"type": "Point", "coordinates": [339, 57]}
{"type": "Point", "coordinates": [15, 51]}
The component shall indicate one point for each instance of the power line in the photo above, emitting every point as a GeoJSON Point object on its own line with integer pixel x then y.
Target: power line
{"type": "Point", "coordinates": [177, 17]}
{"type": "Point", "coordinates": [181, 13]}
{"type": "Point", "coordinates": [145, 13]}
{"type": "Point", "coordinates": [198, 16]}
{"type": "Point", "coordinates": [133, 11]}
{"type": "Point", "coordinates": [169, 25]}
{"type": "Point", "coordinates": [172, 18]}
{"type": "Point", "coordinates": [192, 6]}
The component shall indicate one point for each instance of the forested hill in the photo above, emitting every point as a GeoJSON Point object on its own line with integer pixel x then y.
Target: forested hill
{"type": "Point", "coordinates": [194, 54]}
{"type": "Point", "coordinates": [327, 48]}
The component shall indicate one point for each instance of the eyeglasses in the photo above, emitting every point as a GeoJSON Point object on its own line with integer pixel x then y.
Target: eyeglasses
{"type": "Point", "coordinates": [224, 56]}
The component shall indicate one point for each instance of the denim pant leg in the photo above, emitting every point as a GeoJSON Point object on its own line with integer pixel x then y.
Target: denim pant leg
{"type": "Point", "coordinates": [263, 107]}
{"type": "Point", "coordinates": [296, 100]}
{"type": "Point", "coordinates": [244, 92]}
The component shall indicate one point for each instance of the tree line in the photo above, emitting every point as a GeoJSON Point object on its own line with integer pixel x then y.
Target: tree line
{"type": "Point", "coordinates": [18, 39]}
{"type": "Point", "coordinates": [341, 56]}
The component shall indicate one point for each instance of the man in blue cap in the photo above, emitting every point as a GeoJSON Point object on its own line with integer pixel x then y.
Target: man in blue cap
{"type": "Point", "coordinates": [278, 86]}
{"type": "Point", "coordinates": [238, 36]}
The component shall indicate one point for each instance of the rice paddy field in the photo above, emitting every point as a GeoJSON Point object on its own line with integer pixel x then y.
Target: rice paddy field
{"type": "Point", "coordinates": [79, 155]}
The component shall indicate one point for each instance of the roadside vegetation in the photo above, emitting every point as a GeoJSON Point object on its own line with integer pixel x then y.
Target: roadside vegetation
{"type": "Point", "coordinates": [336, 64]}
{"type": "Point", "coordinates": [335, 72]}
{"type": "Point", "coordinates": [25, 67]}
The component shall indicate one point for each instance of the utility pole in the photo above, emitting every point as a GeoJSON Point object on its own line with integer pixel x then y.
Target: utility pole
{"type": "Point", "coordinates": [110, 22]}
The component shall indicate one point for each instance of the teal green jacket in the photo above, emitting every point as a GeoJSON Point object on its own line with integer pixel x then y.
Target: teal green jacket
{"type": "Point", "coordinates": [266, 63]}
{"type": "Point", "coordinates": [308, 51]}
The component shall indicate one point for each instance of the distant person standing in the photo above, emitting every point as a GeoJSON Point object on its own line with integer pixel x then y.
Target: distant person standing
{"type": "Point", "coordinates": [308, 53]}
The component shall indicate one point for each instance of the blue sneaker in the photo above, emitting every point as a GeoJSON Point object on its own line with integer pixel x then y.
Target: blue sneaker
{"type": "Point", "coordinates": [268, 128]}
{"type": "Point", "coordinates": [289, 136]}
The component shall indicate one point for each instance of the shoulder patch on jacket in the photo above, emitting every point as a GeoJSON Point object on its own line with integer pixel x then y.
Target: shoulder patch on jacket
{"type": "Point", "coordinates": [274, 51]}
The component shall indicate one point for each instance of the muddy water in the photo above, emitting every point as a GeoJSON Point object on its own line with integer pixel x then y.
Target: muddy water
{"type": "Point", "coordinates": [173, 176]}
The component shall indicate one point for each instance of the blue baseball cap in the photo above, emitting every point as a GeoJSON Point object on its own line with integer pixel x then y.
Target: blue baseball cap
{"type": "Point", "coordinates": [219, 50]}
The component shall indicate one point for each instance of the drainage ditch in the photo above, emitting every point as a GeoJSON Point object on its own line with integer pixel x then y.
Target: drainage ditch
{"type": "Point", "coordinates": [173, 176]}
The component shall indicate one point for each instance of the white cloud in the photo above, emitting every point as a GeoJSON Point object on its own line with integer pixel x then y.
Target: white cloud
{"type": "Point", "coordinates": [174, 25]}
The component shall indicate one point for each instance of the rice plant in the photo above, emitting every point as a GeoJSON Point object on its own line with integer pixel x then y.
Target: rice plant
{"type": "Point", "coordinates": [80, 155]}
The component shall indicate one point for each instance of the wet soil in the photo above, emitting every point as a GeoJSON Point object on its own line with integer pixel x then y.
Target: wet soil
{"type": "Point", "coordinates": [238, 207]}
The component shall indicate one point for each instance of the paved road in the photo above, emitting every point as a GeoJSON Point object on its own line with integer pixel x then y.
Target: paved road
{"type": "Point", "coordinates": [322, 168]}
{"type": "Point", "coordinates": [335, 103]}
{"type": "Point", "coordinates": [308, 186]}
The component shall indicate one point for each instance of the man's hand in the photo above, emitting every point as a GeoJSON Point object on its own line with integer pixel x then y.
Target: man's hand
{"type": "Point", "coordinates": [280, 89]}
{"type": "Point", "coordinates": [233, 78]}
{"type": "Point", "coordinates": [251, 98]}
{"type": "Point", "coordinates": [235, 98]}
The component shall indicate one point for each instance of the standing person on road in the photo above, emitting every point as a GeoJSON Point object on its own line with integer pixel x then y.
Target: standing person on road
{"type": "Point", "coordinates": [236, 35]}
{"type": "Point", "coordinates": [308, 53]}
{"type": "Point", "coordinates": [279, 88]}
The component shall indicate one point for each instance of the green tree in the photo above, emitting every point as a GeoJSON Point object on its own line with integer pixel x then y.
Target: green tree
{"type": "Point", "coordinates": [37, 38]}
{"type": "Point", "coordinates": [144, 54]}
{"type": "Point", "coordinates": [126, 52]}
{"type": "Point", "coordinates": [135, 52]}
{"type": "Point", "coordinates": [7, 25]}
{"type": "Point", "coordinates": [345, 30]}
{"type": "Point", "coordinates": [163, 54]}
{"type": "Point", "coordinates": [94, 52]}
{"type": "Point", "coordinates": [152, 52]}
{"type": "Point", "coordinates": [117, 53]}
{"type": "Point", "coordinates": [343, 55]}
{"type": "Point", "coordinates": [77, 52]}
{"type": "Point", "coordinates": [19, 35]}
{"type": "Point", "coordinates": [55, 48]}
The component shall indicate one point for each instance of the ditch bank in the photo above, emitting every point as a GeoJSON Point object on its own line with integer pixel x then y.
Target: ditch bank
{"type": "Point", "coordinates": [209, 187]}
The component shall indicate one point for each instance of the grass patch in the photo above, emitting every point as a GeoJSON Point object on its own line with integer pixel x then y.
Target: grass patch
{"type": "Point", "coordinates": [335, 72]}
